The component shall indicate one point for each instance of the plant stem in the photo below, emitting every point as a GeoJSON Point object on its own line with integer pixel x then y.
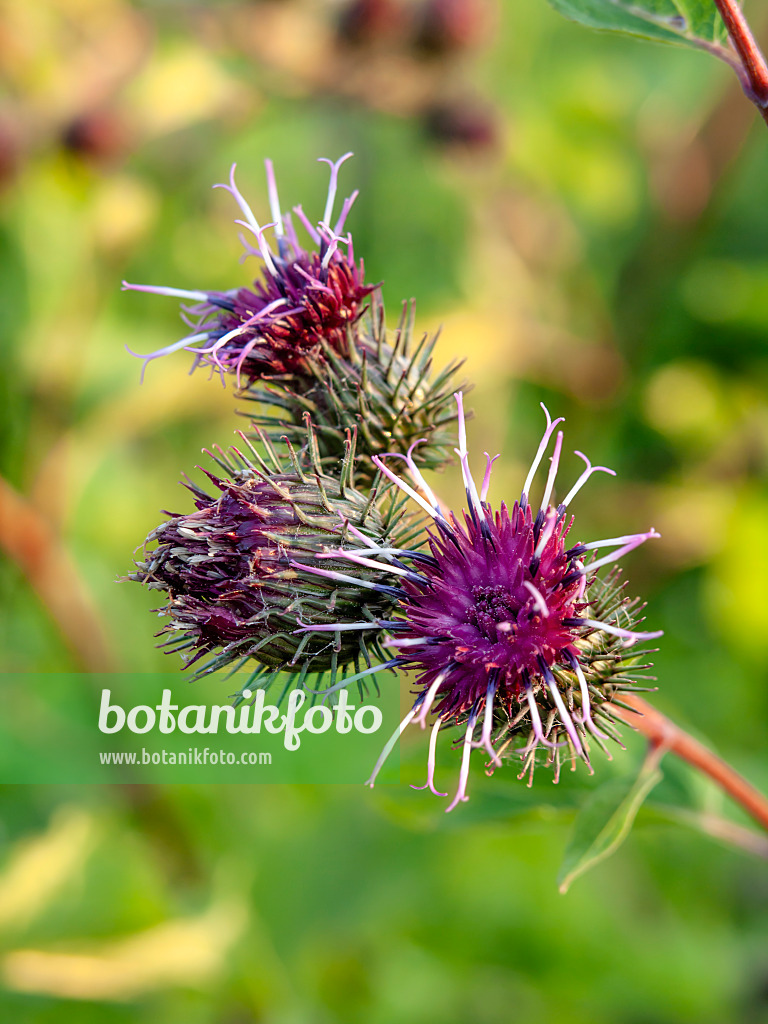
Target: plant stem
{"type": "Point", "coordinates": [28, 539]}
{"type": "Point", "coordinates": [719, 828]}
{"type": "Point", "coordinates": [755, 80]}
{"type": "Point", "coordinates": [663, 732]}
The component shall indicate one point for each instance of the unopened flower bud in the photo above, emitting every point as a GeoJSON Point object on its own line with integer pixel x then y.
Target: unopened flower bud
{"type": "Point", "coordinates": [244, 576]}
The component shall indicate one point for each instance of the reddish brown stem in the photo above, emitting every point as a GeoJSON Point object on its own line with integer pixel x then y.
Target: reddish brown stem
{"type": "Point", "coordinates": [662, 732]}
{"type": "Point", "coordinates": [755, 68]}
{"type": "Point", "coordinates": [29, 539]}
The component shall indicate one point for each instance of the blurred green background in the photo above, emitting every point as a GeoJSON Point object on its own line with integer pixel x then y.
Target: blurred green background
{"type": "Point", "coordinates": [587, 217]}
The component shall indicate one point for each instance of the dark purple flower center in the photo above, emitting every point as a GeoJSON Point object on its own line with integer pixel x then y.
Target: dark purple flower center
{"type": "Point", "coordinates": [494, 609]}
{"type": "Point", "coordinates": [496, 597]}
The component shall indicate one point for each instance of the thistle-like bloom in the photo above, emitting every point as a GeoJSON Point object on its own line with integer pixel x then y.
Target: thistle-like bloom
{"type": "Point", "coordinates": [241, 570]}
{"type": "Point", "coordinates": [506, 624]}
{"type": "Point", "coordinates": [298, 342]}
{"type": "Point", "coordinates": [306, 298]}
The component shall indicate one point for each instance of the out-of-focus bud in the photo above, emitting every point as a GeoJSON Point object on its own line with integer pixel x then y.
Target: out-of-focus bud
{"type": "Point", "coordinates": [97, 136]}
{"type": "Point", "coordinates": [444, 27]}
{"type": "Point", "coordinates": [462, 123]}
{"type": "Point", "coordinates": [368, 22]}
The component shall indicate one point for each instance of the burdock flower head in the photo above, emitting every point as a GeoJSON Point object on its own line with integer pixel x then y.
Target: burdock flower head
{"type": "Point", "coordinates": [232, 574]}
{"type": "Point", "coordinates": [305, 299]}
{"type": "Point", "coordinates": [504, 621]}
{"type": "Point", "coordinates": [310, 336]}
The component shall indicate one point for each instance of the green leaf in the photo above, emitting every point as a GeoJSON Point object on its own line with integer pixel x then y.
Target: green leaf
{"type": "Point", "coordinates": [604, 821]}
{"type": "Point", "coordinates": [688, 22]}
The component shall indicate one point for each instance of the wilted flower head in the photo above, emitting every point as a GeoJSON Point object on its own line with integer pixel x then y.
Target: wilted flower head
{"type": "Point", "coordinates": [506, 624]}
{"type": "Point", "coordinates": [231, 568]}
{"type": "Point", "coordinates": [306, 299]}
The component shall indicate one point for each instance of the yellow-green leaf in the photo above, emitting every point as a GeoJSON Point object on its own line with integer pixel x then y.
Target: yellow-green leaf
{"type": "Point", "coordinates": [604, 821]}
